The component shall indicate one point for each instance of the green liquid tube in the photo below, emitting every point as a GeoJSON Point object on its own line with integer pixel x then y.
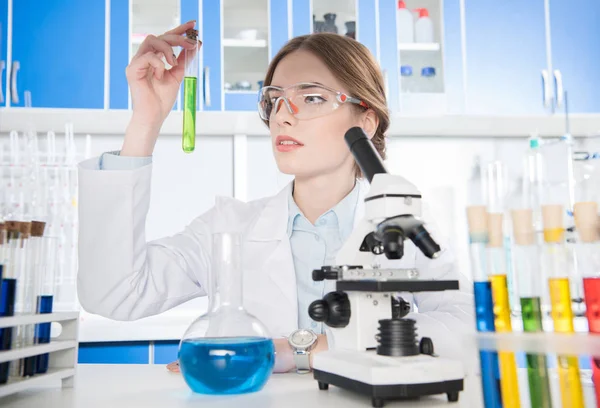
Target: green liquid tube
{"type": "Point", "coordinates": [190, 82]}
{"type": "Point", "coordinates": [537, 373]}
{"type": "Point", "coordinates": [189, 114]}
{"type": "Point", "coordinates": [529, 275]}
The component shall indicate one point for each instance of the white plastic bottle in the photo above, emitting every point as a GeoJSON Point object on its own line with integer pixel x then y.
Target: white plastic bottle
{"type": "Point", "coordinates": [405, 23]}
{"type": "Point", "coordinates": [424, 27]}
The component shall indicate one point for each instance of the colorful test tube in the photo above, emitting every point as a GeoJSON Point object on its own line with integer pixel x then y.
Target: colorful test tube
{"type": "Point", "coordinates": [555, 258]}
{"type": "Point", "coordinates": [588, 260]}
{"type": "Point", "coordinates": [526, 257]}
{"type": "Point", "coordinates": [497, 275]}
{"type": "Point", "coordinates": [484, 305]}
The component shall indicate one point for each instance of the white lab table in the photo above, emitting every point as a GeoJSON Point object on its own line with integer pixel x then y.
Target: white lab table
{"type": "Point", "coordinates": [149, 386]}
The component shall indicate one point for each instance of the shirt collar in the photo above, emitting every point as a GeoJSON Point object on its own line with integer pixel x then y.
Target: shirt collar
{"type": "Point", "coordinates": [344, 211]}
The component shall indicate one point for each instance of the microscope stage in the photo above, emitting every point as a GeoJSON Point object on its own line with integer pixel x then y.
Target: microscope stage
{"type": "Point", "coordinates": [384, 377]}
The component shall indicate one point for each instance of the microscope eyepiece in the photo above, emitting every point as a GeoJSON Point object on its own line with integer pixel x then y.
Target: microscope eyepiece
{"type": "Point", "coordinates": [364, 153]}
{"type": "Point", "coordinates": [421, 238]}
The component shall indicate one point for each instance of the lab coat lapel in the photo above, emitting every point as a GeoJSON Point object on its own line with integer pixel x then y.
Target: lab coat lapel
{"type": "Point", "coordinates": [270, 249]}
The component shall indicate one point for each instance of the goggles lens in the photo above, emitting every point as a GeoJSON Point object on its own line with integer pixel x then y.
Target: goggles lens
{"type": "Point", "coordinates": [304, 101]}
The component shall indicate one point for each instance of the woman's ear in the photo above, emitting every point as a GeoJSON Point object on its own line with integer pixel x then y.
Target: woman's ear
{"type": "Point", "coordinates": [370, 123]}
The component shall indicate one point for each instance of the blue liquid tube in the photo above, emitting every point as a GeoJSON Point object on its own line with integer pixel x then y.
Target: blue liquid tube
{"type": "Point", "coordinates": [8, 291]}
{"type": "Point", "coordinates": [45, 296]}
{"type": "Point", "coordinates": [484, 305]}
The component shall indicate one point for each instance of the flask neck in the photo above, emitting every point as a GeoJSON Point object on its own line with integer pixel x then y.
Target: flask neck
{"type": "Point", "coordinates": [225, 278]}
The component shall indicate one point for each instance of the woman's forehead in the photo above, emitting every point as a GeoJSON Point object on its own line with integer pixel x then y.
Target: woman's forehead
{"type": "Point", "coordinates": [303, 66]}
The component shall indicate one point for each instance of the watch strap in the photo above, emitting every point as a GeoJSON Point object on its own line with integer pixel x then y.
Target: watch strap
{"type": "Point", "coordinates": [302, 361]}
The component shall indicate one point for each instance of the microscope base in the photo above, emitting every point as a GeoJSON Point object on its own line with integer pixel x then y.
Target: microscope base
{"type": "Point", "coordinates": [371, 374]}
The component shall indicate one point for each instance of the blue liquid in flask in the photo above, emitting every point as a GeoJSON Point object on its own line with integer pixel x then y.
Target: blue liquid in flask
{"type": "Point", "coordinates": [227, 365]}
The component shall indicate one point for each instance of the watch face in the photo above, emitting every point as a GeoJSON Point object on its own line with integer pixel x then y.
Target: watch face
{"type": "Point", "coordinates": [303, 338]}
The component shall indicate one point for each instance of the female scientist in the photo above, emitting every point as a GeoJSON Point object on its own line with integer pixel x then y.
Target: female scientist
{"type": "Point", "coordinates": [329, 84]}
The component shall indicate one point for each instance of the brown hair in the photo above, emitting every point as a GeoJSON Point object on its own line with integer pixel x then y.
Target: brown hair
{"type": "Point", "coordinates": [354, 66]}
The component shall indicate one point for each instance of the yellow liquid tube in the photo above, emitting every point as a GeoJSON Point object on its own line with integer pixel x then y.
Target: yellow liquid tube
{"type": "Point", "coordinates": [509, 381]}
{"type": "Point", "coordinates": [568, 366]}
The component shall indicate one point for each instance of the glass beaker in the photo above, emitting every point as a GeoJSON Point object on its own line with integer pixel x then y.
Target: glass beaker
{"type": "Point", "coordinates": [226, 350]}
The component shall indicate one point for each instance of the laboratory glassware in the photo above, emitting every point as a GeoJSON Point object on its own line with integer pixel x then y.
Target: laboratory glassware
{"type": "Point", "coordinates": [9, 291]}
{"type": "Point", "coordinates": [556, 266]}
{"type": "Point", "coordinates": [484, 305]}
{"type": "Point", "coordinates": [497, 274]}
{"type": "Point", "coordinates": [527, 269]}
{"type": "Point", "coordinates": [190, 83]}
{"type": "Point", "coordinates": [588, 259]}
{"type": "Point", "coordinates": [227, 350]}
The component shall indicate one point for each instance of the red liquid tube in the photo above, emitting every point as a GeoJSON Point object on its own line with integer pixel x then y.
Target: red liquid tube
{"type": "Point", "coordinates": [588, 259]}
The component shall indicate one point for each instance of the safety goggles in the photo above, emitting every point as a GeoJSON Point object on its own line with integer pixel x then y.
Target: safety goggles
{"type": "Point", "coordinates": [303, 100]}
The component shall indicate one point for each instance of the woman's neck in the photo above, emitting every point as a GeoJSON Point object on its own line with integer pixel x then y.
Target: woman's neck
{"type": "Point", "coordinates": [316, 195]}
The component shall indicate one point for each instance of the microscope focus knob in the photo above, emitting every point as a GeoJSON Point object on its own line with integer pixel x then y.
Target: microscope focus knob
{"type": "Point", "coordinates": [333, 310]}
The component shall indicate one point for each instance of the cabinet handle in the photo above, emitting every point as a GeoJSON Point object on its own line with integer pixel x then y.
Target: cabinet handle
{"type": "Point", "coordinates": [546, 92]}
{"type": "Point", "coordinates": [207, 86]}
{"type": "Point", "coordinates": [2, 66]}
{"type": "Point", "coordinates": [559, 88]}
{"type": "Point", "coordinates": [14, 94]}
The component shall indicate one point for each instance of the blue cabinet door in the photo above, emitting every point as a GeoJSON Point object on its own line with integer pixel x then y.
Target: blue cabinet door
{"type": "Point", "coordinates": [366, 27]}
{"type": "Point", "coordinates": [575, 39]}
{"type": "Point", "coordinates": [505, 53]}
{"type": "Point", "coordinates": [119, 54]}
{"type": "Point", "coordinates": [190, 10]}
{"type": "Point", "coordinates": [279, 24]}
{"type": "Point", "coordinates": [212, 55]}
{"type": "Point", "coordinates": [59, 48]}
{"type": "Point", "coordinates": [3, 50]}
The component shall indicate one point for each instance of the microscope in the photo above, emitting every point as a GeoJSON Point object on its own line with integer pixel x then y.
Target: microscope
{"type": "Point", "coordinates": [372, 350]}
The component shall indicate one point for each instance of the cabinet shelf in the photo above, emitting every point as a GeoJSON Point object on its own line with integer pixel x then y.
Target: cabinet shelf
{"type": "Point", "coordinates": [419, 47]}
{"type": "Point", "coordinates": [236, 42]}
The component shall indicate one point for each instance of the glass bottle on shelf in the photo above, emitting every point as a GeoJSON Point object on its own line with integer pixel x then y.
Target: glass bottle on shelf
{"type": "Point", "coordinates": [226, 350]}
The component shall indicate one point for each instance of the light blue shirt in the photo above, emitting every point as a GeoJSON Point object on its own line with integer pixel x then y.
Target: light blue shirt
{"type": "Point", "coordinates": [313, 246]}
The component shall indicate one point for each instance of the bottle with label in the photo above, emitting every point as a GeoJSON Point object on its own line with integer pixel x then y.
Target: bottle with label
{"type": "Point", "coordinates": [405, 24]}
{"type": "Point", "coordinates": [424, 27]}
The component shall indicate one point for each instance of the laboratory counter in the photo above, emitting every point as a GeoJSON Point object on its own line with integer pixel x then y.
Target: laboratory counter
{"type": "Point", "coordinates": [149, 386]}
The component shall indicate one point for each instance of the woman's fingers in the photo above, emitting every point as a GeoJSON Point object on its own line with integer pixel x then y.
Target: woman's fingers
{"type": "Point", "coordinates": [141, 66]}
{"type": "Point", "coordinates": [155, 44]}
{"type": "Point", "coordinates": [173, 367]}
{"type": "Point", "coordinates": [182, 28]}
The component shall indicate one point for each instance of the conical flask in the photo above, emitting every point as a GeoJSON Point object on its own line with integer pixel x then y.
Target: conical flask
{"type": "Point", "coordinates": [227, 350]}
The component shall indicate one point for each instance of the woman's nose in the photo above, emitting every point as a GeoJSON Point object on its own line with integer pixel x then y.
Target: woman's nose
{"type": "Point", "coordinates": [285, 111]}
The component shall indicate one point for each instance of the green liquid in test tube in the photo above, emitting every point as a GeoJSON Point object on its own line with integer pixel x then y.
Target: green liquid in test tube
{"type": "Point", "coordinates": [190, 82]}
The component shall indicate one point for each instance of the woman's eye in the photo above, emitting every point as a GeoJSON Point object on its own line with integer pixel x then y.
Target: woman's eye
{"type": "Point", "coordinates": [314, 99]}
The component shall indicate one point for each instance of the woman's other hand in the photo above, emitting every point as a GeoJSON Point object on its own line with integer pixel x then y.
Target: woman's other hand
{"type": "Point", "coordinates": [153, 87]}
{"type": "Point", "coordinates": [174, 367]}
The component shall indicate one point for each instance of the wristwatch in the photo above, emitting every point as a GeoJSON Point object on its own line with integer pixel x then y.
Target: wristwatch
{"type": "Point", "coordinates": [302, 341]}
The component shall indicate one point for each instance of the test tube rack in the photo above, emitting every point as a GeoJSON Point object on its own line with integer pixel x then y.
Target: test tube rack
{"type": "Point", "coordinates": [62, 351]}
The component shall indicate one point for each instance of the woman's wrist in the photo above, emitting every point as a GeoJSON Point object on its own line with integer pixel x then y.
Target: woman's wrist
{"type": "Point", "coordinates": [284, 355]}
{"type": "Point", "coordinates": [140, 138]}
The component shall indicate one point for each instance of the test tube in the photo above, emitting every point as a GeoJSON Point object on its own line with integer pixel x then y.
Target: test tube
{"type": "Point", "coordinates": [46, 297]}
{"type": "Point", "coordinates": [484, 305]}
{"type": "Point", "coordinates": [497, 274]}
{"type": "Point", "coordinates": [8, 291]}
{"type": "Point", "coordinates": [190, 82]}
{"type": "Point", "coordinates": [527, 269]}
{"type": "Point", "coordinates": [588, 258]}
{"type": "Point", "coordinates": [556, 266]}
{"type": "Point", "coordinates": [25, 298]}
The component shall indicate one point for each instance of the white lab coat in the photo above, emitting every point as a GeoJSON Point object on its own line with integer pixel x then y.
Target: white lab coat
{"type": "Point", "coordinates": [124, 277]}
